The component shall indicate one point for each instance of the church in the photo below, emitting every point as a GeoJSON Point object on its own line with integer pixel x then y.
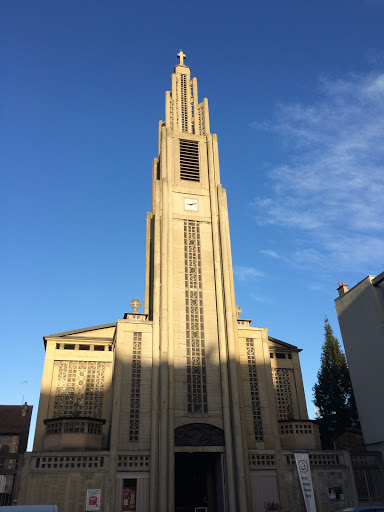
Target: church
{"type": "Point", "coordinates": [185, 406]}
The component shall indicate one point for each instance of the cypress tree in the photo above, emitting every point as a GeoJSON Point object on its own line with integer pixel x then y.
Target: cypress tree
{"type": "Point", "coordinates": [333, 394]}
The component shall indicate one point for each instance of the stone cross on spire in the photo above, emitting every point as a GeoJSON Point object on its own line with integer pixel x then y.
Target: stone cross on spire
{"type": "Point", "coordinates": [135, 304]}
{"type": "Point", "coordinates": [181, 56]}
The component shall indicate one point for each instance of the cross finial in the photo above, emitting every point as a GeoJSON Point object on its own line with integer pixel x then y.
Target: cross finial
{"type": "Point", "coordinates": [181, 56]}
{"type": "Point", "coordinates": [135, 304]}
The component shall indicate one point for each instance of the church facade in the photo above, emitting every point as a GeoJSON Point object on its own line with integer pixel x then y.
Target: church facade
{"type": "Point", "coordinates": [185, 405]}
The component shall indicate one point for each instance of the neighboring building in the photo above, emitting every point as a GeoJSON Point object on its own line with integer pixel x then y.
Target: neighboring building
{"type": "Point", "coordinates": [14, 429]}
{"type": "Point", "coordinates": [360, 311]}
{"type": "Point", "coordinates": [186, 404]}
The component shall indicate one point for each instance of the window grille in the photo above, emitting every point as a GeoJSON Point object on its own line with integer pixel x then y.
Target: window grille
{"type": "Point", "coordinates": [53, 428]}
{"type": "Point", "coordinates": [189, 160]}
{"type": "Point", "coordinates": [80, 389]}
{"type": "Point", "coordinates": [201, 119]}
{"type": "Point", "coordinates": [324, 459]}
{"type": "Point", "coordinates": [74, 427]}
{"type": "Point", "coordinates": [258, 460]}
{"type": "Point", "coordinates": [184, 103]}
{"type": "Point", "coordinates": [69, 462]}
{"type": "Point", "coordinates": [135, 388]}
{"type": "Point", "coordinates": [94, 428]}
{"type": "Point", "coordinates": [295, 428]}
{"type": "Point", "coordinates": [171, 113]}
{"type": "Point", "coordinates": [257, 424]}
{"type": "Point", "coordinates": [196, 370]}
{"type": "Point", "coordinates": [283, 393]}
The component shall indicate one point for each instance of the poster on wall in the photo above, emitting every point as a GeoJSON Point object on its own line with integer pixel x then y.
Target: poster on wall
{"type": "Point", "coordinates": [305, 477]}
{"type": "Point", "coordinates": [336, 493]}
{"type": "Point", "coordinates": [93, 500]}
{"type": "Point", "coordinates": [129, 498]}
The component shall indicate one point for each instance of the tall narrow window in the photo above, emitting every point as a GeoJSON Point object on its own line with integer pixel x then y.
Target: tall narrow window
{"type": "Point", "coordinates": [135, 390]}
{"type": "Point", "coordinates": [184, 104]}
{"type": "Point", "coordinates": [196, 370]}
{"type": "Point", "coordinates": [283, 393]}
{"type": "Point", "coordinates": [189, 160]}
{"type": "Point", "coordinates": [257, 424]}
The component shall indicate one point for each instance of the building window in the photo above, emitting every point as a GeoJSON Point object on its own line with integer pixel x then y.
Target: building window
{"type": "Point", "coordinates": [283, 393]}
{"type": "Point", "coordinates": [196, 370]}
{"type": "Point", "coordinates": [80, 389]}
{"type": "Point", "coordinates": [184, 103]}
{"type": "Point", "coordinates": [257, 424]}
{"type": "Point", "coordinates": [53, 428]}
{"type": "Point", "coordinates": [135, 388]}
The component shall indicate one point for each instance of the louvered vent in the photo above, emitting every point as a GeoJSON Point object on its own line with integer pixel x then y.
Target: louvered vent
{"type": "Point", "coordinates": [189, 160]}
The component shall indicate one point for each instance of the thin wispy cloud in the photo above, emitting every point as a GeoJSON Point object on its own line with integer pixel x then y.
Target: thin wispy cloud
{"type": "Point", "coordinates": [375, 56]}
{"type": "Point", "coordinates": [263, 299]}
{"type": "Point", "coordinates": [331, 187]}
{"type": "Point", "coordinates": [270, 252]}
{"type": "Point", "coordinates": [246, 273]}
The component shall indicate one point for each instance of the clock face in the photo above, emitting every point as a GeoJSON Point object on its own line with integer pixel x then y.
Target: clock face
{"type": "Point", "coordinates": [190, 204]}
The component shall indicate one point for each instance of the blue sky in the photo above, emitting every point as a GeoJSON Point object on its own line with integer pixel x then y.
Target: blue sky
{"type": "Point", "coordinates": [296, 96]}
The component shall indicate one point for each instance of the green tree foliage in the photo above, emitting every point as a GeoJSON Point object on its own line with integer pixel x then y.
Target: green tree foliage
{"type": "Point", "coordinates": [333, 394]}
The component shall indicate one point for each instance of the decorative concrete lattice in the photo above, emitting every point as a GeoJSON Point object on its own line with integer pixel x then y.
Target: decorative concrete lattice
{"type": "Point", "coordinates": [261, 460]}
{"type": "Point", "coordinates": [80, 388]}
{"type": "Point", "coordinates": [296, 428]}
{"type": "Point", "coordinates": [69, 462]}
{"type": "Point", "coordinates": [322, 459]}
{"type": "Point", "coordinates": [257, 423]}
{"type": "Point", "coordinates": [81, 426]}
{"type": "Point", "coordinates": [364, 460]}
{"type": "Point", "coordinates": [201, 119]}
{"type": "Point", "coordinates": [192, 108]}
{"type": "Point", "coordinates": [53, 428]}
{"type": "Point", "coordinates": [283, 393]}
{"type": "Point", "coordinates": [171, 114]}
{"type": "Point", "coordinates": [138, 462]}
{"type": "Point", "coordinates": [196, 370]}
{"type": "Point", "coordinates": [135, 388]}
{"type": "Point", "coordinates": [184, 103]}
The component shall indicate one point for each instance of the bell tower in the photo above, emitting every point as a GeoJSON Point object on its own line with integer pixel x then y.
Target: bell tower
{"type": "Point", "coordinates": [186, 406]}
{"type": "Point", "coordinates": [189, 296]}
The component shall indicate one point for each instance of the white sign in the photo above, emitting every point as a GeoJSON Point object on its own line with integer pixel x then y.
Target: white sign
{"type": "Point", "coordinates": [3, 482]}
{"type": "Point", "coordinates": [93, 500]}
{"type": "Point", "coordinates": [304, 471]}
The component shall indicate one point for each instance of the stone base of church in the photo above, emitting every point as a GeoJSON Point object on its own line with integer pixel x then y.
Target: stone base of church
{"type": "Point", "coordinates": [63, 479]}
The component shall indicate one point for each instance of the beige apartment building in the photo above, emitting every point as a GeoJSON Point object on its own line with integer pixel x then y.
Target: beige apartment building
{"type": "Point", "coordinates": [185, 404]}
{"type": "Point", "coordinates": [360, 311]}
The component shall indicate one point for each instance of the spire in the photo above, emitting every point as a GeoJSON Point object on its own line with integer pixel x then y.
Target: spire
{"type": "Point", "coordinates": [183, 112]}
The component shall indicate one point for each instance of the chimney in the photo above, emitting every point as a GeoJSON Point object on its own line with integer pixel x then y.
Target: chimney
{"type": "Point", "coordinates": [343, 288]}
{"type": "Point", "coordinates": [24, 409]}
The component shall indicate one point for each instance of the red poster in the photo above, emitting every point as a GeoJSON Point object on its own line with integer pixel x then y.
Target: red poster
{"type": "Point", "coordinates": [129, 498]}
